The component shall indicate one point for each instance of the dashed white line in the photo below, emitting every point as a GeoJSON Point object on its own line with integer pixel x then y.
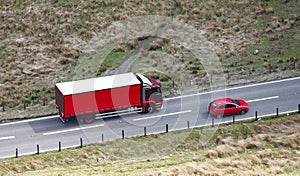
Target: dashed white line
{"type": "Point", "coordinates": [73, 129]}
{"type": "Point", "coordinates": [262, 99]}
{"type": "Point", "coordinates": [7, 137]}
{"type": "Point", "coordinates": [162, 115]}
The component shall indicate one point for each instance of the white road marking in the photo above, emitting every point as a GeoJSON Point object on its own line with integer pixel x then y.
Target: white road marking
{"type": "Point", "coordinates": [163, 115]}
{"type": "Point", "coordinates": [30, 120]}
{"type": "Point", "coordinates": [262, 99]}
{"type": "Point", "coordinates": [7, 137]}
{"type": "Point", "coordinates": [234, 88]}
{"type": "Point", "coordinates": [73, 129]}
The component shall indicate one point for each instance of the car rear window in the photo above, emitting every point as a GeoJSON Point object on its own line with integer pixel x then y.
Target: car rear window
{"type": "Point", "coordinates": [236, 102]}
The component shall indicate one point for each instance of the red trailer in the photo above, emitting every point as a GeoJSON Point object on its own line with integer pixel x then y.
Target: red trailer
{"type": "Point", "coordinates": [107, 96]}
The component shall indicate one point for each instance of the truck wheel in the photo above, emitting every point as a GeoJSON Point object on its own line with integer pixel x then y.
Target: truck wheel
{"type": "Point", "coordinates": [149, 108]}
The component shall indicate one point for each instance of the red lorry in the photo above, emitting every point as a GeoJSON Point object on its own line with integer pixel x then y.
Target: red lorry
{"type": "Point", "coordinates": [107, 96]}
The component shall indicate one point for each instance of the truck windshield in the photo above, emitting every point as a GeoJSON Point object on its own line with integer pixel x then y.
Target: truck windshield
{"type": "Point", "coordinates": [155, 90]}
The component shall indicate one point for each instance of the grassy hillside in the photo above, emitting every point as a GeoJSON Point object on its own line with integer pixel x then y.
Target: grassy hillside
{"type": "Point", "coordinates": [43, 42]}
{"type": "Point", "coordinates": [268, 147]}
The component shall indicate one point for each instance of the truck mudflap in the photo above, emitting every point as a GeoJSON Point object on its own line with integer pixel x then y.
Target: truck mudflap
{"type": "Point", "coordinates": [61, 115]}
{"type": "Point", "coordinates": [62, 119]}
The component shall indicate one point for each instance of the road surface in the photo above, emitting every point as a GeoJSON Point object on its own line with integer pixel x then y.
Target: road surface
{"type": "Point", "coordinates": [178, 113]}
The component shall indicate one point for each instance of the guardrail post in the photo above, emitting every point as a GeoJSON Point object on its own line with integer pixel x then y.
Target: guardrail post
{"type": "Point", "coordinates": [81, 143]}
{"type": "Point", "coordinates": [102, 137]}
{"type": "Point", "coordinates": [24, 105]}
{"type": "Point", "coordinates": [212, 122]}
{"type": "Point", "coordinates": [59, 146]}
{"type": "Point", "coordinates": [44, 102]}
{"type": "Point", "coordinates": [37, 149]}
{"type": "Point", "coordinates": [256, 118]}
{"type": "Point", "coordinates": [3, 109]}
{"type": "Point", "coordinates": [188, 124]}
{"type": "Point", "coordinates": [233, 119]}
{"type": "Point", "coordinates": [167, 128]}
{"type": "Point", "coordinates": [123, 135]}
{"type": "Point", "coordinates": [277, 112]}
{"type": "Point", "coordinates": [145, 131]}
{"type": "Point", "coordinates": [17, 152]}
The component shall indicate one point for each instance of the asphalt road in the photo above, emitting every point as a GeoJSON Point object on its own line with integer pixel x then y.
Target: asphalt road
{"type": "Point", "coordinates": [178, 113]}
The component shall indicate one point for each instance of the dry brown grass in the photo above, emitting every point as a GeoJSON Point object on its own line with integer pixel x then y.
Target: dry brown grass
{"type": "Point", "coordinates": [251, 156]}
{"type": "Point", "coordinates": [41, 41]}
{"type": "Point", "coordinates": [226, 151]}
{"type": "Point", "coordinates": [230, 155]}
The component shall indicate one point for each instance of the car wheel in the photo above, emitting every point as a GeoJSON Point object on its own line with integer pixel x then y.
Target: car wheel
{"type": "Point", "coordinates": [219, 116]}
{"type": "Point", "coordinates": [243, 112]}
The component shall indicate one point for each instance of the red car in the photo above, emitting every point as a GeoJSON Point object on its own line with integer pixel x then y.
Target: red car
{"type": "Point", "coordinates": [227, 106]}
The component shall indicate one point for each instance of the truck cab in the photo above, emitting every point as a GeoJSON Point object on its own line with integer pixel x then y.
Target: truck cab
{"type": "Point", "coordinates": [152, 95]}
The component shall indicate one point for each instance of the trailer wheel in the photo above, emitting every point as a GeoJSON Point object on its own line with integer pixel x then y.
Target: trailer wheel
{"type": "Point", "coordinates": [88, 119]}
{"type": "Point", "coordinates": [149, 108]}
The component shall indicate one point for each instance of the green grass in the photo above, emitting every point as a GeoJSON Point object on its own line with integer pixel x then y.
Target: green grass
{"type": "Point", "coordinates": [66, 3]}
{"type": "Point", "coordinates": [113, 58]}
{"type": "Point", "coordinates": [287, 44]}
{"type": "Point", "coordinates": [88, 65]}
{"type": "Point", "coordinates": [276, 47]}
{"type": "Point", "coordinates": [18, 4]}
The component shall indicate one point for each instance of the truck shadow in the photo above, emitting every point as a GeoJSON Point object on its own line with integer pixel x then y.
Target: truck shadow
{"type": "Point", "coordinates": [55, 124]}
{"type": "Point", "coordinates": [46, 125]}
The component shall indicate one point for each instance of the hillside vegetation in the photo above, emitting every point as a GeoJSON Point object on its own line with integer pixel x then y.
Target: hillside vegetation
{"type": "Point", "coordinates": [43, 40]}
{"type": "Point", "coordinates": [268, 147]}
